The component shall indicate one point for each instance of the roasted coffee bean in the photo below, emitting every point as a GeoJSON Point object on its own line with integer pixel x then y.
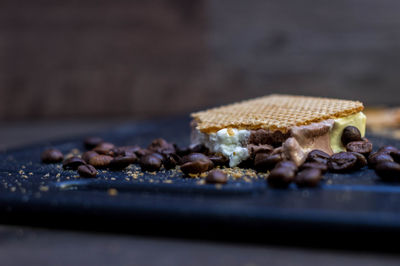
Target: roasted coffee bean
{"type": "Point", "coordinates": [361, 160]}
{"type": "Point", "coordinates": [198, 148]}
{"type": "Point", "coordinates": [101, 161]}
{"type": "Point", "coordinates": [171, 160]}
{"type": "Point", "coordinates": [342, 162]}
{"type": "Point", "coordinates": [89, 154]}
{"type": "Point", "coordinates": [309, 177]}
{"type": "Point", "coordinates": [104, 148]}
{"type": "Point", "coordinates": [182, 151]}
{"type": "Point", "coordinates": [387, 149]}
{"type": "Point", "coordinates": [196, 157]}
{"type": "Point", "coordinates": [318, 156]}
{"type": "Point", "coordinates": [350, 134]}
{"type": "Point", "coordinates": [92, 142]}
{"type": "Point", "coordinates": [86, 170]}
{"type": "Point", "coordinates": [73, 163]}
{"type": "Point", "coordinates": [219, 159]}
{"type": "Point", "coordinates": [265, 162]}
{"type": "Point", "coordinates": [362, 147]}
{"type": "Point", "coordinates": [195, 167]}
{"type": "Point", "coordinates": [396, 156]}
{"type": "Point", "coordinates": [150, 162]}
{"type": "Point", "coordinates": [158, 155]}
{"type": "Point", "coordinates": [320, 166]}
{"type": "Point", "coordinates": [124, 150]}
{"type": "Point", "coordinates": [377, 157]}
{"type": "Point", "coordinates": [121, 162]}
{"type": "Point", "coordinates": [281, 177]}
{"type": "Point", "coordinates": [143, 152]}
{"type": "Point", "coordinates": [52, 156]}
{"type": "Point", "coordinates": [161, 146]}
{"type": "Point", "coordinates": [216, 177]}
{"type": "Point", "coordinates": [287, 164]}
{"type": "Point", "coordinates": [388, 171]}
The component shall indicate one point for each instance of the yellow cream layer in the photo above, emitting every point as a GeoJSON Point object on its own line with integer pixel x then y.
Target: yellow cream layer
{"type": "Point", "coordinates": [357, 120]}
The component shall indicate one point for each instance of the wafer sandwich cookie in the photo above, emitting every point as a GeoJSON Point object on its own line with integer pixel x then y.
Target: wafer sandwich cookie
{"type": "Point", "coordinates": [298, 124]}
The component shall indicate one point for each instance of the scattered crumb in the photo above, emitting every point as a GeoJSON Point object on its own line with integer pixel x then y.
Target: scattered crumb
{"type": "Point", "coordinates": [168, 181]}
{"type": "Point", "coordinates": [218, 186]}
{"type": "Point", "coordinates": [113, 178]}
{"type": "Point", "coordinates": [58, 175]}
{"type": "Point", "coordinates": [112, 192]}
{"type": "Point", "coordinates": [30, 173]}
{"type": "Point", "coordinates": [12, 189]}
{"type": "Point", "coordinates": [44, 188]}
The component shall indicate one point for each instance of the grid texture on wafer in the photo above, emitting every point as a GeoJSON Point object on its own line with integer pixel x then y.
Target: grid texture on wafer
{"type": "Point", "coordinates": [274, 112]}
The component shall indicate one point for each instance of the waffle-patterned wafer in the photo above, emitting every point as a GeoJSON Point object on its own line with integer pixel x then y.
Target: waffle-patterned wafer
{"type": "Point", "coordinates": [274, 112]}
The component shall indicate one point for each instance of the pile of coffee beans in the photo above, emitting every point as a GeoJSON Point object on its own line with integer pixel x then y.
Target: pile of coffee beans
{"type": "Point", "coordinates": [197, 159]}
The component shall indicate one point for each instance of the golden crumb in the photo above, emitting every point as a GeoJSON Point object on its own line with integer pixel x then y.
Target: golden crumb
{"type": "Point", "coordinates": [112, 192]}
{"type": "Point", "coordinates": [113, 178]}
{"type": "Point", "coordinates": [58, 175]}
{"type": "Point", "coordinates": [168, 181]}
{"type": "Point", "coordinates": [44, 188]}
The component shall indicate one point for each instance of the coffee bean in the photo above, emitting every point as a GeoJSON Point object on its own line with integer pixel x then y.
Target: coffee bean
{"type": "Point", "coordinates": [195, 167]}
{"type": "Point", "coordinates": [143, 152]}
{"type": "Point", "coordinates": [73, 163]}
{"type": "Point", "coordinates": [361, 160]}
{"type": "Point", "coordinates": [362, 147]}
{"type": "Point", "coordinates": [89, 154]}
{"type": "Point", "coordinates": [388, 171]}
{"type": "Point", "coordinates": [318, 156]}
{"type": "Point", "coordinates": [264, 162]}
{"type": "Point", "coordinates": [52, 156]}
{"type": "Point", "coordinates": [377, 157]}
{"type": "Point", "coordinates": [350, 134]}
{"type": "Point", "coordinates": [101, 161]}
{"type": "Point", "coordinates": [196, 157]}
{"type": "Point", "coordinates": [387, 149]}
{"type": "Point", "coordinates": [182, 151]}
{"type": "Point", "coordinates": [219, 159]}
{"type": "Point", "coordinates": [281, 177]}
{"type": "Point", "coordinates": [92, 142]}
{"type": "Point", "coordinates": [309, 177]}
{"type": "Point", "coordinates": [287, 164]}
{"type": "Point", "coordinates": [320, 166]}
{"type": "Point", "coordinates": [171, 160]}
{"type": "Point", "coordinates": [121, 162]}
{"type": "Point", "coordinates": [217, 177]}
{"type": "Point", "coordinates": [104, 148]}
{"type": "Point", "coordinates": [342, 162]}
{"type": "Point", "coordinates": [396, 156]}
{"type": "Point", "coordinates": [161, 146]}
{"type": "Point", "coordinates": [150, 162]}
{"type": "Point", "coordinates": [86, 170]}
{"type": "Point", "coordinates": [254, 149]}
{"type": "Point", "coordinates": [198, 148]}
{"type": "Point", "coordinates": [124, 150]}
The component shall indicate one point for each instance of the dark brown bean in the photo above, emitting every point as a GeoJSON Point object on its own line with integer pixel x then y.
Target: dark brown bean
{"type": "Point", "coordinates": [217, 177]}
{"type": "Point", "coordinates": [318, 156]}
{"type": "Point", "coordinates": [254, 149]}
{"type": "Point", "coordinates": [104, 148]}
{"type": "Point", "coordinates": [362, 147]}
{"type": "Point", "coordinates": [322, 167]}
{"type": "Point", "coordinates": [150, 163]}
{"type": "Point", "coordinates": [121, 162]}
{"type": "Point", "coordinates": [388, 171]}
{"type": "Point", "coordinates": [101, 161]}
{"type": "Point", "coordinates": [143, 152]}
{"type": "Point", "coordinates": [195, 167]}
{"type": "Point", "coordinates": [198, 148]}
{"type": "Point", "coordinates": [342, 162]}
{"type": "Point", "coordinates": [396, 156]}
{"type": "Point", "coordinates": [219, 159]}
{"type": "Point", "coordinates": [281, 177]}
{"type": "Point", "coordinates": [86, 170]}
{"type": "Point", "coordinates": [377, 157]}
{"type": "Point", "coordinates": [309, 177]}
{"type": "Point", "coordinates": [264, 162]}
{"type": "Point", "coordinates": [125, 150]}
{"type": "Point", "coordinates": [287, 164]}
{"type": "Point", "coordinates": [89, 154]}
{"type": "Point", "coordinates": [387, 149]}
{"type": "Point", "coordinates": [52, 156]}
{"type": "Point", "coordinates": [350, 134]}
{"type": "Point", "coordinates": [171, 160]}
{"type": "Point", "coordinates": [161, 146]}
{"type": "Point", "coordinates": [196, 157]}
{"type": "Point", "coordinates": [361, 160]}
{"type": "Point", "coordinates": [73, 163]}
{"type": "Point", "coordinates": [92, 142]}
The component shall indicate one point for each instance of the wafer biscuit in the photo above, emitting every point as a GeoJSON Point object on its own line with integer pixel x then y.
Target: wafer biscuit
{"type": "Point", "coordinates": [274, 112]}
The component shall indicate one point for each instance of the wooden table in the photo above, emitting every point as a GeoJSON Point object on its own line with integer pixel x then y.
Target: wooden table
{"type": "Point", "coordinates": [22, 245]}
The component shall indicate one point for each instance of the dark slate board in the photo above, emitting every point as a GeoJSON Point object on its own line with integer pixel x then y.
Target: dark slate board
{"type": "Point", "coordinates": [350, 203]}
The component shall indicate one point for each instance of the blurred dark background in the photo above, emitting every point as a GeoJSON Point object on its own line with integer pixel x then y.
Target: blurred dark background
{"type": "Point", "coordinates": [127, 58]}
